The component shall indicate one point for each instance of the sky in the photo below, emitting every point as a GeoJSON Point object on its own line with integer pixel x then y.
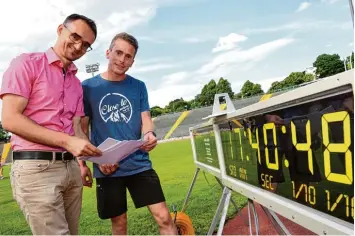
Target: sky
{"type": "Point", "coordinates": [183, 44]}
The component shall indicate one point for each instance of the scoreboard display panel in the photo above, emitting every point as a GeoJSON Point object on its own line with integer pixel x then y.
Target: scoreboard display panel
{"type": "Point", "coordinates": [205, 146]}
{"type": "Point", "coordinates": [303, 152]}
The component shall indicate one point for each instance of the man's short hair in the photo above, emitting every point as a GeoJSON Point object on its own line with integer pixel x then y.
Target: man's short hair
{"type": "Point", "coordinates": [126, 37]}
{"type": "Point", "coordinates": [88, 21]}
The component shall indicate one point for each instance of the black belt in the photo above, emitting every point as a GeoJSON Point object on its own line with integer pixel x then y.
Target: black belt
{"type": "Point", "coordinates": [42, 155]}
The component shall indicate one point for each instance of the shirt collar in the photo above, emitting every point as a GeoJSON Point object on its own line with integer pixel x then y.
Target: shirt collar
{"type": "Point", "coordinates": [53, 58]}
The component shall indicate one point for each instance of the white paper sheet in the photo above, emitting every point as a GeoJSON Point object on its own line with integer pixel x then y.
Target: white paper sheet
{"type": "Point", "coordinates": [113, 151]}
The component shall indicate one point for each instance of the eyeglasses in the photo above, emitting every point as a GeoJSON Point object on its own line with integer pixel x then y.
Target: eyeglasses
{"type": "Point", "coordinates": [75, 38]}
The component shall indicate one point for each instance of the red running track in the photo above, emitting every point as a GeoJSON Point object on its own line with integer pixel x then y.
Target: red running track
{"type": "Point", "coordinates": [239, 224]}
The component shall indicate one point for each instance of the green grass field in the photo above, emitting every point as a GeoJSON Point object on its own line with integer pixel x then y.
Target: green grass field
{"type": "Point", "coordinates": [174, 164]}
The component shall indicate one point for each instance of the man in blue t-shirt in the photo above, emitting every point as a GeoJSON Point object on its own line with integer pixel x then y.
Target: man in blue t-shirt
{"type": "Point", "coordinates": [116, 106]}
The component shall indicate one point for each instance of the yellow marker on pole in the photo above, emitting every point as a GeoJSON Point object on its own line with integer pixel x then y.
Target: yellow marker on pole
{"type": "Point", "coordinates": [5, 152]}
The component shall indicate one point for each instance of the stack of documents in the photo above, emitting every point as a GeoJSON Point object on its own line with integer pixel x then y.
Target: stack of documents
{"type": "Point", "coordinates": [113, 151]}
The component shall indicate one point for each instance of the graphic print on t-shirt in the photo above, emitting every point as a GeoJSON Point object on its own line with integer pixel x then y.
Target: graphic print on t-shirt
{"type": "Point", "coordinates": [115, 107]}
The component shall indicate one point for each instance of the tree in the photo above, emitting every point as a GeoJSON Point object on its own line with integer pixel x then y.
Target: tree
{"type": "Point", "coordinates": [350, 62]}
{"type": "Point", "coordinates": [224, 86]}
{"type": "Point", "coordinates": [238, 95]}
{"type": "Point", "coordinates": [207, 93]}
{"type": "Point", "coordinates": [295, 78]}
{"type": "Point", "coordinates": [328, 65]}
{"type": "Point", "coordinates": [193, 104]}
{"type": "Point", "coordinates": [251, 89]}
{"type": "Point", "coordinates": [275, 86]}
{"type": "Point", "coordinates": [4, 135]}
{"type": "Point", "coordinates": [156, 111]}
{"type": "Point", "coordinates": [178, 105]}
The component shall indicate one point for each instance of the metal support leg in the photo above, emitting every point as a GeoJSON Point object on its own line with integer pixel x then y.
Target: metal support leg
{"type": "Point", "coordinates": [256, 219]}
{"type": "Point", "coordinates": [224, 213]}
{"type": "Point", "coordinates": [190, 190]}
{"type": "Point", "coordinates": [280, 227]}
{"type": "Point", "coordinates": [249, 218]}
{"type": "Point", "coordinates": [226, 194]}
{"type": "Point", "coordinates": [233, 202]}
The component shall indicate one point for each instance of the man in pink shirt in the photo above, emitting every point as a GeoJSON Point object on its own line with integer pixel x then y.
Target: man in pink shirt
{"type": "Point", "coordinates": [42, 107]}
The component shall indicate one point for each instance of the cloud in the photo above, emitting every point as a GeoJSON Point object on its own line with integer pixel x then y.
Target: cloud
{"type": "Point", "coordinates": [187, 84]}
{"type": "Point", "coordinates": [329, 1]}
{"type": "Point", "coordinates": [300, 26]}
{"type": "Point", "coordinates": [271, 29]}
{"type": "Point", "coordinates": [194, 40]}
{"type": "Point", "coordinates": [38, 31]}
{"type": "Point", "coordinates": [149, 39]}
{"type": "Point", "coordinates": [152, 67]}
{"type": "Point", "coordinates": [153, 64]}
{"type": "Point", "coordinates": [303, 6]}
{"type": "Point", "coordinates": [229, 42]}
{"type": "Point", "coordinates": [235, 56]}
{"type": "Point", "coordinates": [122, 21]}
{"type": "Point", "coordinates": [174, 79]}
{"type": "Point", "coordinates": [162, 96]}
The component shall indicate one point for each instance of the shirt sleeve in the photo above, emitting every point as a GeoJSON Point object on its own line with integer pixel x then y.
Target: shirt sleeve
{"type": "Point", "coordinates": [144, 99]}
{"type": "Point", "coordinates": [18, 78]}
{"type": "Point", "coordinates": [80, 107]}
{"type": "Point", "coordinates": [86, 103]}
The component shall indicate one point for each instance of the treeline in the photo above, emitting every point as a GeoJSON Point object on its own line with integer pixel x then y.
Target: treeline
{"type": "Point", "coordinates": [325, 65]}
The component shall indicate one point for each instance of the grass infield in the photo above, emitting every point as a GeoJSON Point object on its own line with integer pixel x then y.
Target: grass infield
{"type": "Point", "coordinates": [174, 164]}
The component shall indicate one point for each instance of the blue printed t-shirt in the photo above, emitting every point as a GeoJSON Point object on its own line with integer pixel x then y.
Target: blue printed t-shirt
{"type": "Point", "coordinates": [114, 108]}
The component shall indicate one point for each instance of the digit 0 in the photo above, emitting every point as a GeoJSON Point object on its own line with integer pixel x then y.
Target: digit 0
{"type": "Point", "coordinates": [341, 116]}
{"type": "Point", "coordinates": [273, 166]}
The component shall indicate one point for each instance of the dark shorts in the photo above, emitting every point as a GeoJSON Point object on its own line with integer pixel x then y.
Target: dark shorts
{"type": "Point", "coordinates": [144, 188]}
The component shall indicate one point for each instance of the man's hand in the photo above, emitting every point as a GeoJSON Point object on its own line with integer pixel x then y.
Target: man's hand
{"type": "Point", "coordinates": [151, 142]}
{"type": "Point", "coordinates": [107, 169]}
{"type": "Point", "coordinates": [274, 119]}
{"type": "Point", "coordinates": [86, 176]}
{"type": "Point", "coordinates": [81, 147]}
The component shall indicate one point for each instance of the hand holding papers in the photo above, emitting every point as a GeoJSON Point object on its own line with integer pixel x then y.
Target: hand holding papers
{"type": "Point", "coordinates": [113, 151]}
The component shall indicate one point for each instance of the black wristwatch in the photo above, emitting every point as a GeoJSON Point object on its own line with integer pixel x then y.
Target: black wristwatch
{"type": "Point", "coordinates": [155, 135]}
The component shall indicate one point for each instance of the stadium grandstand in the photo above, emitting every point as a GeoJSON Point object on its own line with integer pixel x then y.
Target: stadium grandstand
{"type": "Point", "coordinates": [176, 125]}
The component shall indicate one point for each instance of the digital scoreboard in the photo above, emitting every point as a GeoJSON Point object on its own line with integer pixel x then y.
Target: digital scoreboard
{"type": "Point", "coordinates": [293, 153]}
{"type": "Point", "coordinates": [303, 153]}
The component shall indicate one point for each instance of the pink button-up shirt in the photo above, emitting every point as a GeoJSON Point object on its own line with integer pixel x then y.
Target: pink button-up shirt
{"type": "Point", "coordinates": [54, 98]}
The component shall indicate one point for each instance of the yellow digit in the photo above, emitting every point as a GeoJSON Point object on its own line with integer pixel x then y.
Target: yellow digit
{"type": "Point", "coordinates": [255, 145]}
{"type": "Point", "coordinates": [273, 166]}
{"type": "Point", "coordinates": [231, 144]}
{"type": "Point", "coordinates": [303, 146]}
{"type": "Point", "coordinates": [352, 207]}
{"type": "Point", "coordinates": [237, 130]}
{"type": "Point", "coordinates": [312, 196]}
{"type": "Point", "coordinates": [328, 199]}
{"type": "Point", "coordinates": [343, 116]}
{"type": "Point", "coordinates": [233, 170]}
{"type": "Point", "coordinates": [347, 205]}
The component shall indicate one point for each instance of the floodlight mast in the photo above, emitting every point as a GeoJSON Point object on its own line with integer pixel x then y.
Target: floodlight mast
{"type": "Point", "coordinates": [351, 6]}
{"type": "Point", "coordinates": [92, 68]}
